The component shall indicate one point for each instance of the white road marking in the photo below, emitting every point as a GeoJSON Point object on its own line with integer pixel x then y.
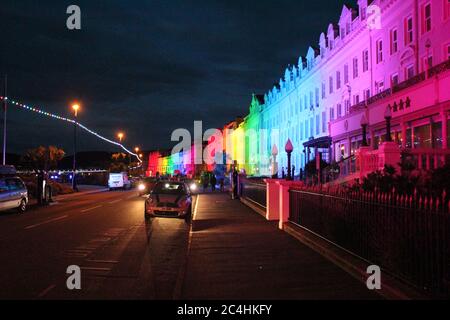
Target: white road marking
{"type": "Point", "coordinates": [90, 209]}
{"type": "Point", "coordinates": [115, 201]}
{"type": "Point", "coordinates": [45, 222]}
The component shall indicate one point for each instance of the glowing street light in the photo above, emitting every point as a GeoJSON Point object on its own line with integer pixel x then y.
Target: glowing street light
{"type": "Point", "coordinates": [75, 108]}
{"type": "Point", "coordinates": [120, 135]}
{"type": "Point", "coordinates": [136, 149]}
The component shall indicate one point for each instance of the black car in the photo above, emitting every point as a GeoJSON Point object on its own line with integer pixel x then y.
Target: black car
{"type": "Point", "coordinates": [169, 199]}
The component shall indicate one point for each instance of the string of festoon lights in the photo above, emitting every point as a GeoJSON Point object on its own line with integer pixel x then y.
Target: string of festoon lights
{"type": "Point", "coordinates": [55, 116]}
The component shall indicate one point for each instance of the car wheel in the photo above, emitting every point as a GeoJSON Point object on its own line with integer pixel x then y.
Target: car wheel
{"type": "Point", "coordinates": [22, 207]}
{"type": "Point", "coordinates": [188, 217]}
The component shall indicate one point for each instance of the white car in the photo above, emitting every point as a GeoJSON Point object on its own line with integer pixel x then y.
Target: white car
{"type": "Point", "coordinates": [119, 181]}
{"type": "Point", "coordinates": [13, 194]}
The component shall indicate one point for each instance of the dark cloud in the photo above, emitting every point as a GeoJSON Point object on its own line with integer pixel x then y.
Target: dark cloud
{"type": "Point", "coordinates": [148, 67]}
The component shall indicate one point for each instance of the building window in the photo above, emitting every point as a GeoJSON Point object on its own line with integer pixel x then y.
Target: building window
{"type": "Point", "coordinates": [365, 60]}
{"type": "Point", "coordinates": [323, 90]}
{"type": "Point", "coordinates": [379, 48]}
{"type": "Point", "coordinates": [347, 106]}
{"type": "Point", "coordinates": [409, 33]}
{"type": "Point", "coordinates": [409, 72]}
{"type": "Point", "coordinates": [426, 18]}
{"type": "Point", "coordinates": [331, 114]}
{"type": "Point", "coordinates": [311, 103]}
{"type": "Point", "coordinates": [338, 80]}
{"type": "Point", "coordinates": [427, 63]}
{"type": "Point", "coordinates": [324, 122]}
{"type": "Point", "coordinates": [355, 68]}
{"type": "Point", "coordinates": [331, 85]}
{"type": "Point", "coordinates": [346, 73]}
{"type": "Point", "coordinates": [394, 80]}
{"type": "Point", "coordinates": [422, 138]}
{"type": "Point", "coordinates": [446, 9]}
{"type": "Point", "coordinates": [363, 13]}
{"type": "Point", "coordinates": [317, 124]}
{"type": "Point", "coordinates": [394, 41]}
{"type": "Point", "coordinates": [355, 99]}
{"type": "Point", "coordinates": [311, 127]}
{"type": "Point", "coordinates": [317, 97]}
{"type": "Point", "coordinates": [339, 110]}
{"type": "Point", "coordinates": [448, 50]}
{"type": "Point", "coordinates": [379, 86]}
{"type": "Point", "coordinates": [366, 94]}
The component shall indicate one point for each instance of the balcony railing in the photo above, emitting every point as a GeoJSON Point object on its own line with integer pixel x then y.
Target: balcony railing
{"type": "Point", "coordinates": [434, 71]}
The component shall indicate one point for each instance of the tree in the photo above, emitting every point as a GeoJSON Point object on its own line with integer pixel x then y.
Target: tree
{"type": "Point", "coordinates": [118, 163]}
{"type": "Point", "coordinates": [43, 158]}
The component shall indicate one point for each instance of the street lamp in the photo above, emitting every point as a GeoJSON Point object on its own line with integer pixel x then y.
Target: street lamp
{"type": "Point", "coordinates": [289, 148]}
{"type": "Point", "coordinates": [274, 164]}
{"type": "Point", "coordinates": [75, 108]}
{"type": "Point", "coordinates": [136, 149]}
{"type": "Point", "coordinates": [388, 118]}
{"type": "Point", "coordinates": [120, 135]}
{"type": "Point", "coordinates": [364, 124]}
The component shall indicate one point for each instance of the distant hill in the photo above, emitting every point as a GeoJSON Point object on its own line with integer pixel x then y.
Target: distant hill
{"type": "Point", "coordinates": [87, 160]}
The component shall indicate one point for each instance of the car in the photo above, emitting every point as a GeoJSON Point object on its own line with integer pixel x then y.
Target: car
{"type": "Point", "coordinates": [169, 199]}
{"type": "Point", "coordinates": [119, 181]}
{"type": "Point", "coordinates": [13, 194]}
{"type": "Point", "coordinates": [146, 185]}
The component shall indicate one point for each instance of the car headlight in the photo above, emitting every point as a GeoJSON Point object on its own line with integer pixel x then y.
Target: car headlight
{"type": "Point", "coordinates": [193, 186]}
{"type": "Point", "coordinates": [141, 187]}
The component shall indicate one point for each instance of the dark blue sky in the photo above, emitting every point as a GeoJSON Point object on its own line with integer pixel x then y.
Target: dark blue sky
{"type": "Point", "coordinates": [147, 67]}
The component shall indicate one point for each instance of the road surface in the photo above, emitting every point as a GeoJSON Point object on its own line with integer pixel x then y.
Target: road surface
{"type": "Point", "coordinates": [121, 256]}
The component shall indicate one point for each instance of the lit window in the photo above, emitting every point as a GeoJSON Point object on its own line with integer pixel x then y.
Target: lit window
{"type": "Point", "coordinates": [394, 41]}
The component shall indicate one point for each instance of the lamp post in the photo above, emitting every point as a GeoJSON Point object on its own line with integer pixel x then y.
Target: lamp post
{"type": "Point", "coordinates": [364, 124]}
{"type": "Point", "coordinates": [5, 108]}
{"type": "Point", "coordinates": [75, 108]}
{"type": "Point", "coordinates": [289, 148]}
{"type": "Point", "coordinates": [388, 118]}
{"type": "Point", "coordinates": [274, 159]}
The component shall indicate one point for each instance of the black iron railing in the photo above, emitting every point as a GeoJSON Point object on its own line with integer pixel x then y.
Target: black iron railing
{"type": "Point", "coordinates": [253, 190]}
{"type": "Point", "coordinates": [407, 236]}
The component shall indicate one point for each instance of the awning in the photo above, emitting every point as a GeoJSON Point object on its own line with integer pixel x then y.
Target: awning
{"type": "Point", "coordinates": [322, 142]}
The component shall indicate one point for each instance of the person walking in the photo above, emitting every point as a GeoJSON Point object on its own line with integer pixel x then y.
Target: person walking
{"type": "Point", "coordinates": [213, 182]}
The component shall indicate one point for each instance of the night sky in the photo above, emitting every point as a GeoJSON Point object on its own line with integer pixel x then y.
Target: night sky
{"type": "Point", "coordinates": [147, 67]}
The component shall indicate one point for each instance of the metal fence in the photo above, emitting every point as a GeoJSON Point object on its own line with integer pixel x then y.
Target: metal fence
{"type": "Point", "coordinates": [405, 235]}
{"type": "Point", "coordinates": [253, 190]}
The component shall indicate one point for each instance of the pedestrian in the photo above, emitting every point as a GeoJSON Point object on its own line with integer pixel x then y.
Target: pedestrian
{"type": "Point", "coordinates": [213, 181]}
{"type": "Point", "coordinates": [222, 184]}
{"type": "Point", "coordinates": [205, 181]}
{"type": "Point", "coordinates": [235, 183]}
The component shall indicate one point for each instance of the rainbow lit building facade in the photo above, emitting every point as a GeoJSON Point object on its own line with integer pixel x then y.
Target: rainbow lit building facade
{"type": "Point", "coordinates": [383, 54]}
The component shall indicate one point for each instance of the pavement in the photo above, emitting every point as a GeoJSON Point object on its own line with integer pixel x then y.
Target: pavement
{"type": "Point", "coordinates": [235, 253]}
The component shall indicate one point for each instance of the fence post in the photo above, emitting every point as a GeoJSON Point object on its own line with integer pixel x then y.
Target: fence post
{"type": "Point", "coordinates": [284, 201]}
{"type": "Point", "coordinates": [273, 199]}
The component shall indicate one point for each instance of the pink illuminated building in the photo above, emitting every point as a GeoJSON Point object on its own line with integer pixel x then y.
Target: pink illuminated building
{"type": "Point", "coordinates": [401, 65]}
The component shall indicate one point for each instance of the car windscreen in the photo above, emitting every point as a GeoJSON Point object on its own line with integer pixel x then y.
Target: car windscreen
{"type": "Point", "coordinates": [169, 188]}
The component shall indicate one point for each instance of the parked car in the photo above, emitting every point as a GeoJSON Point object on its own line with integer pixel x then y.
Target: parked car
{"type": "Point", "coordinates": [169, 199]}
{"type": "Point", "coordinates": [146, 185]}
{"type": "Point", "coordinates": [119, 181]}
{"type": "Point", "coordinates": [13, 192]}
